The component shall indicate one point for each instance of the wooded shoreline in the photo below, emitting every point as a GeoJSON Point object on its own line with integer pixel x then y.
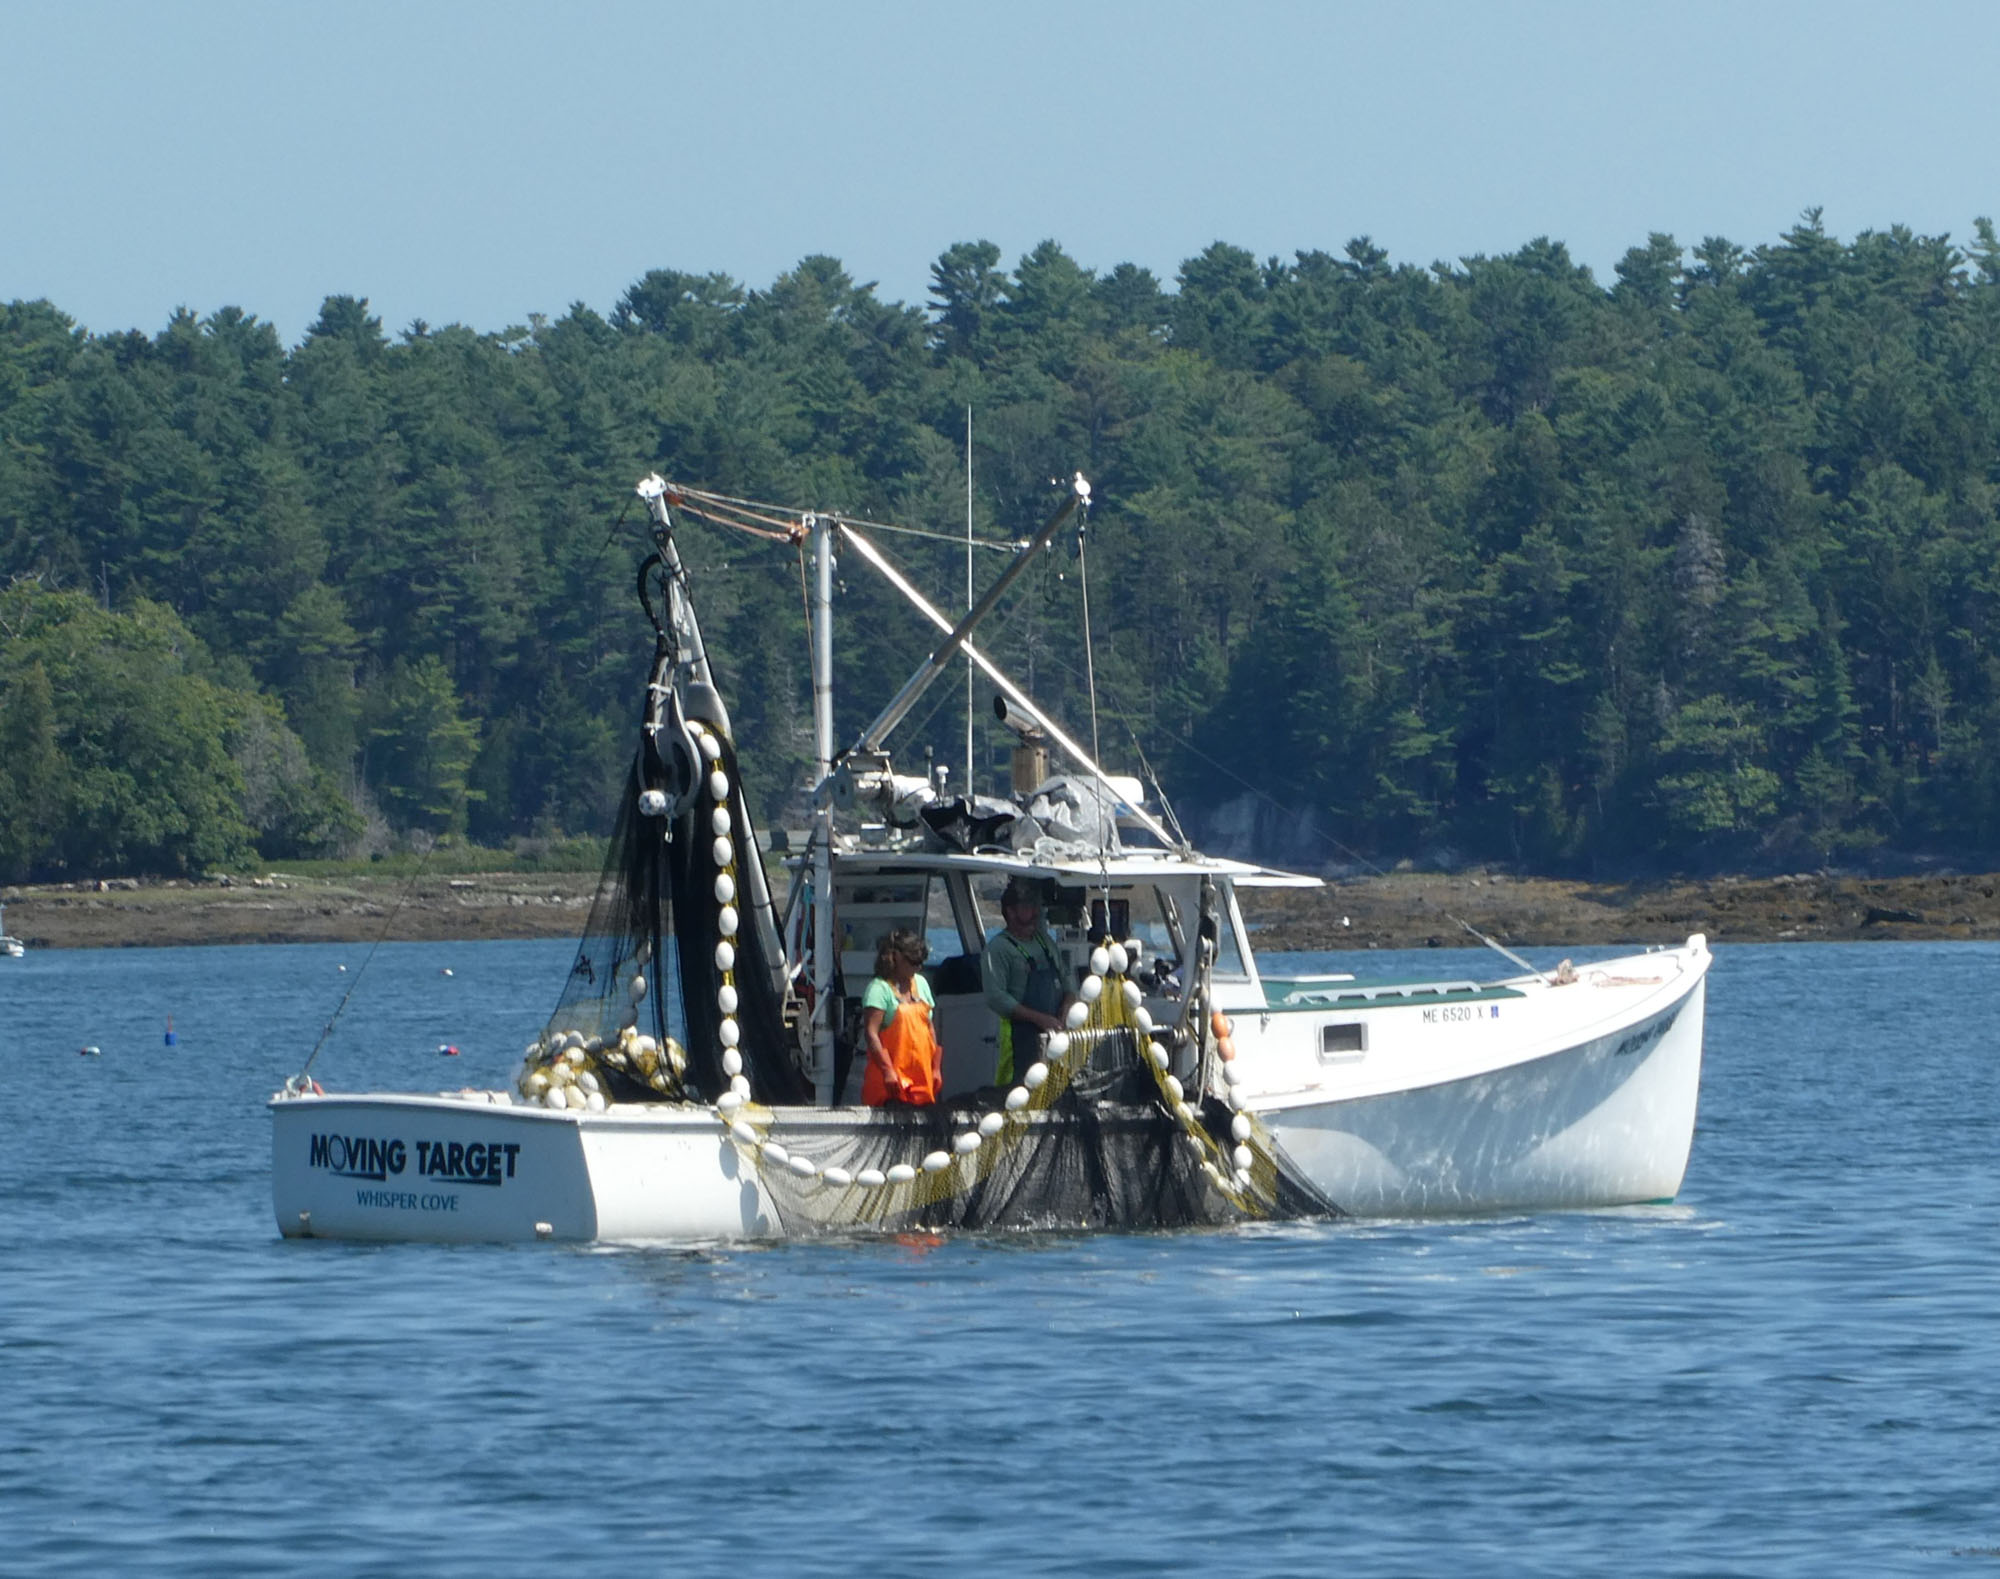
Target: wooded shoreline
{"type": "Point", "coordinates": [1399, 910]}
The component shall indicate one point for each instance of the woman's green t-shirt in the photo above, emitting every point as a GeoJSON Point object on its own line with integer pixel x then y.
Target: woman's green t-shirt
{"type": "Point", "coordinates": [881, 995]}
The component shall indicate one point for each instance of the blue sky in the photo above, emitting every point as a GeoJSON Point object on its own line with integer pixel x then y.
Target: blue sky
{"type": "Point", "coordinates": [478, 162]}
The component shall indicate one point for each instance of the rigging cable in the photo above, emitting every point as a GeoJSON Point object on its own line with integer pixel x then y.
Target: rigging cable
{"type": "Point", "coordinates": [302, 1081]}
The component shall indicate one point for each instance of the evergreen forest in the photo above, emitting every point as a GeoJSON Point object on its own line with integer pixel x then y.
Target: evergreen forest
{"type": "Point", "coordinates": [1695, 568]}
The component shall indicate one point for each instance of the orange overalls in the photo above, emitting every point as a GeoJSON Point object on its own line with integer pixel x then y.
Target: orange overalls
{"type": "Point", "coordinates": [913, 1052]}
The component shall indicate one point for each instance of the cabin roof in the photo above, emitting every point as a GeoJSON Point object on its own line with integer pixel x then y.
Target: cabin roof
{"type": "Point", "coordinates": [1131, 866]}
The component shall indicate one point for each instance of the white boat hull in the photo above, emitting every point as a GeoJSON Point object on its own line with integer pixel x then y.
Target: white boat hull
{"type": "Point", "coordinates": [1585, 1097]}
{"type": "Point", "coordinates": [1581, 1095]}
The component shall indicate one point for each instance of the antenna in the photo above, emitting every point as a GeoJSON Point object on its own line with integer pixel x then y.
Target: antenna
{"type": "Point", "coordinates": [968, 606]}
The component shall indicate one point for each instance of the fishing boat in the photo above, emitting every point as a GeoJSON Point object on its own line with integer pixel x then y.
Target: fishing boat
{"type": "Point", "coordinates": [698, 1078]}
{"type": "Point", "coordinates": [10, 947]}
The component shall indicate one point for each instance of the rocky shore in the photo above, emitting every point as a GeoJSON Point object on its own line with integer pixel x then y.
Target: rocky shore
{"type": "Point", "coordinates": [1400, 910]}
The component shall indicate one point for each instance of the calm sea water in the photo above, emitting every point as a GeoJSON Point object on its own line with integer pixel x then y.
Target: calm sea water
{"type": "Point", "coordinates": [1793, 1370]}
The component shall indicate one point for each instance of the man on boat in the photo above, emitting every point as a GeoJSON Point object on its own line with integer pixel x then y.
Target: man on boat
{"type": "Point", "coordinates": [1022, 976]}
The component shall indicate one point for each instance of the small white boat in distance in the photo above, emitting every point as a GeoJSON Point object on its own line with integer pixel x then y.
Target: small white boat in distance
{"type": "Point", "coordinates": [10, 947]}
{"type": "Point", "coordinates": [698, 1078]}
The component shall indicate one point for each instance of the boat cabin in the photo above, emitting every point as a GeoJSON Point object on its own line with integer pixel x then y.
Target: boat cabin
{"type": "Point", "coordinates": [1154, 903]}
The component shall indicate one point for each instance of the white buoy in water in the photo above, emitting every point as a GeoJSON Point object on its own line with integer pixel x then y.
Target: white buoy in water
{"type": "Point", "coordinates": [725, 998]}
{"type": "Point", "coordinates": [937, 1162]}
{"type": "Point", "coordinates": [871, 1178]}
{"type": "Point", "coordinates": [1078, 1013]}
{"type": "Point", "coordinates": [902, 1173]}
{"type": "Point", "coordinates": [1100, 961]}
{"type": "Point", "coordinates": [1037, 1073]}
{"type": "Point", "coordinates": [1091, 989]}
{"type": "Point", "coordinates": [1017, 1099]}
{"type": "Point", "coordinates": [725, 888]}
{"type": "Point", "coordinates": [837, 1176]}
{"type": "Point", "coordinates": [1239, 1127]}
{"type": "Point", "coordinates": [992, 1124]}
{"type": "Point", "coordinates": [1120, 960]}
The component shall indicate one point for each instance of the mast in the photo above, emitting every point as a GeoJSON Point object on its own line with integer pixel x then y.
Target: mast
{"type": "Point", "coordinates": [968, 605]}
{"type": "Point", "coordinates": [821, 528]}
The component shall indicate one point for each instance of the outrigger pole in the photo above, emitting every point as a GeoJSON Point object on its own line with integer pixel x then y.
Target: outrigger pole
{"type": "Point", "coordinates": [955, 635]}
{"type": "Point", "coordinates": [1016, 697]}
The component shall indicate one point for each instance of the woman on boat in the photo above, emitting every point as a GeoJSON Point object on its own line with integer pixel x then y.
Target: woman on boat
{"type": "Point", "coordinates": [905, 1063]}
